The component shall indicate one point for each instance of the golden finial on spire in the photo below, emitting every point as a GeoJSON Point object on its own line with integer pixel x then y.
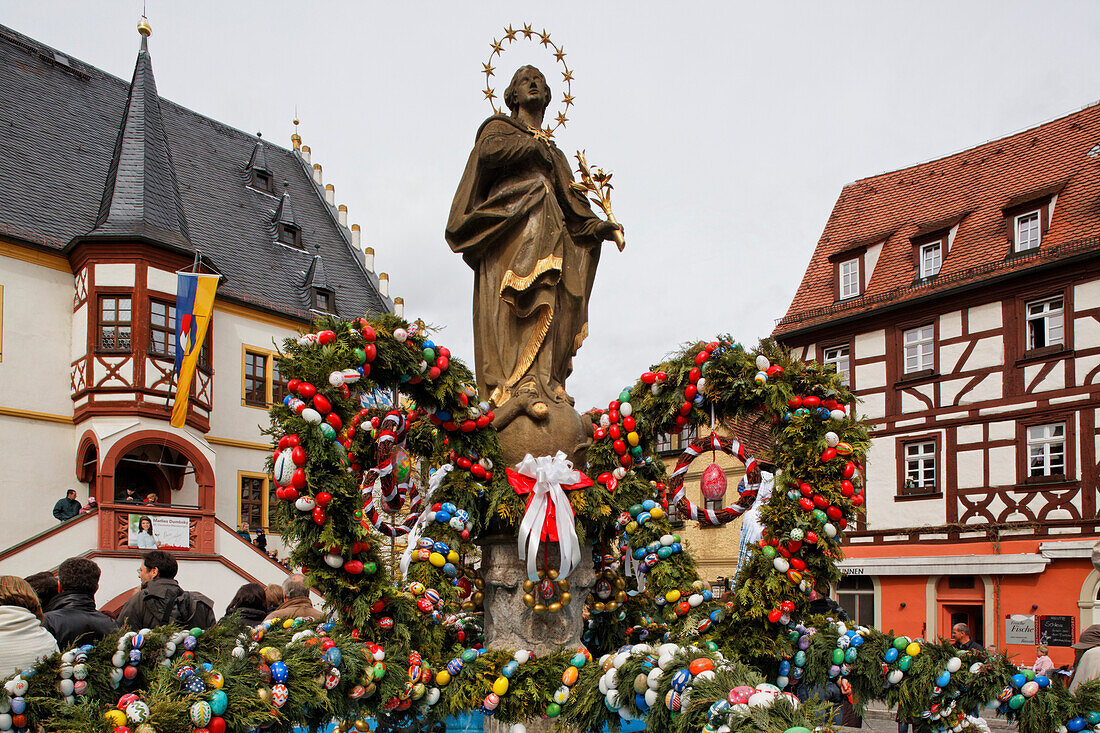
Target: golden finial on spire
{"type": "Point", "coordinates": [296, 139]}
{"type": "Point", "coordinates": [144, 28]}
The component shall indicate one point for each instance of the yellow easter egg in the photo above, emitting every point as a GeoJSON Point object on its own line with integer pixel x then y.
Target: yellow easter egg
{"type": "Point", "coordinates": [656, 512]}
{"type": "Point", "coordinates": [437, 559]}
{"type": "Point", "coordinates": [672, 596]}
{"type": "Point", "coordinates": [115, 717]}
{"type": "Point", "coordinates": [500, 686]}
{"type": "Point", "coordinates": [913, 649]}
{"type": "Point", "coordinates": [443, 678]}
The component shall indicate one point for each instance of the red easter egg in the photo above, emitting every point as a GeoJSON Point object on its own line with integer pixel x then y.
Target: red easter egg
{"type": "Point", "coordinates": [820, 501]}
{"type": "Point", "coordinates": [354, 567]}
{"type": "Point", "coordinates": [306, 390]}
{"type": "Point", "coordinates": [284, 443]}
{"type": "Point", "coordinates": [619, 446]}
{"type": "Point", "coordinates": [661, 377]}
{"type": "Point", "coordinates": [806, 504]}
{"type": "Point", "coordinates": [318, 515]}
{"type": "Point", "coordinates": [433, 373]}
{"type": "Point", "coordinates": [690, 391]}
{"type": "Point", "coordinates": [371, 351]}
{"type": "Point", "coordinates": [615, 432]}
{"type": "Point", "coordinates": [685, 409]}
{"type": "Point", "coordinates": [811, 537]}
{"type": "Point", "coordinates": [701, 357]}
{"type": "Point", "coordinates": [794, 403]}
{"type": "Point", "coordinates": [774, 615]}
{"type": "Point", "coordinates": [468, 426]}
{"type": "Point", "coordinates": [298, 478]}
{"type": "Point", "coordinates": [833, 512]}
{"type": "Point", "coordinates": [693, 375]}
{"type": "Point", "coordinates": [323, 498]}
{"type": "Point", "coordinates": [648, 378]}
{"type": "Point", "coordinates": [787, 607]}
{"type": "Point", "coordinates": [849, 470]}
{"type": "Point", "coordinates": [292, 385]}
{"type": "Point", "coordinates": [713, 483]}
{"type": "Point", "coordinates": [298, 455]}
{"type": "Point", "coordinates": [857, 500]}
{"type": "Point", "coordinates": [326, 337]}
{"type": "Point", "coordinates": [216, 725]}
{"type": "Point", "coordinates": [811, 402]}
{"type": "Point", "coordinates": [294, 440]}
{"type": "Point", "coordinates": [828, 454]}
{"type": "Point", "coordinates": [806, 489]}
{"type": "Point", "coordinates": [290, 493]}
{"type": "Point", "coordinates": [334, 420]}
{"type": "Point", "coordinates": [442, 362]}
{"type": "Point", "coordinates": [483, 421]}
{"type": "Point", "coordinates": [321, 403]}
{"type": "Point", "coordinates": [846, 488]}
{"type": "Point", "coordinates": [701, 665]}
{"type": "Point", "coordinates": [368, 333]}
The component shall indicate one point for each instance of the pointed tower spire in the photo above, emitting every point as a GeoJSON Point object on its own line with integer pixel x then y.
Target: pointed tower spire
{"type": "Point", "coordinates": [141, 197]}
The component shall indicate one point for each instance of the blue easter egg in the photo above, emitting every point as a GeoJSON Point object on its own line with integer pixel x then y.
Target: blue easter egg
{"type": "Point", "coordinates": [680, 680]}
{"type": "Point", "coordinates": [450, 570]}
{"type": "Point", "coordinates": [1042, 681]}
{"type": "Point", "coordinates": [441, 547]}
{"type": "Point", "coordinates": [1076, 724]}
{"type": "Point", "coordinates": [850, 654]}
{"type": "Point", "coordinates": [784, 668]}
{"type": "Point", "coordinates": [890, 656]}
{"type": "Point", "coordinates": [449, 507]}
{"type": "Point", "coordinates": [18, 706]}
{"type": "Point", "coordinates": [279, 671]}
{"type": "Point", "coordinates": [664, 552]}
{"type": "Point", "coordinates": [857, 640]}
{"type": "Point", "coordinates": [443, 516]}
{"type": "Point", "coordinates": [648, 504]}
{"type": "Point", "coordinates": [333, 656]}
{"type": "Point", "coordinates": [1018, 680]}
{"type": "Point", "coordinates": [1092, 717]}
{"type": "Point", "coordinates": [639, 701]}
{"type": "Point", "coordinates": [219, 702]}
{"type": "Point", "coordinates": [943, 679]}
{"type": "Point", "coordinates": [707, 596]}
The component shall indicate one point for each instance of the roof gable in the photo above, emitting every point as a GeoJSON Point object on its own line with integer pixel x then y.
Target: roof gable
{"type": "Point", "coordinates": [970, 190]}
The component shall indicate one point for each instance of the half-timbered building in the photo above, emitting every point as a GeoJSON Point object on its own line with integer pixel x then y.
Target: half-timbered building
{"type": "Point", "coordinates": [960, 299]}
{"type": "Point", "coordinates": [106, 191]}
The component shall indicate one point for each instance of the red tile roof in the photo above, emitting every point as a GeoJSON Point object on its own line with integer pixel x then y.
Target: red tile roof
{"type": "Point", "coordinates": [976, 185]}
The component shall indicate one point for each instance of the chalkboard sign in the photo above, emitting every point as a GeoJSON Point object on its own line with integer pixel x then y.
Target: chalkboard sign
{"type": "Point", "coordinates": [1057, 630]}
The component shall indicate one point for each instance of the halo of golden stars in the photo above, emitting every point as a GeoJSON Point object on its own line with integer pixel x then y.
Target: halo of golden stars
{"type": "Point", "coordinates": [542, 37]}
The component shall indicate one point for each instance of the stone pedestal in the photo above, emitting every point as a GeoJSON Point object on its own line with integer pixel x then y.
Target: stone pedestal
{"type": "Point", "coordinates": [509, 623]}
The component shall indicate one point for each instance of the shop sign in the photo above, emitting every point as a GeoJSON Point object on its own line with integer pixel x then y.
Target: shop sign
{"type": "Point", "coordinates": [1020, 629]}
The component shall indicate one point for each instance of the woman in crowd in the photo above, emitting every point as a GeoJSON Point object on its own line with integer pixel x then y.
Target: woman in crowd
{"type": "Point", "coordinates": [250, 602]}
{"type": "Point", "coordinates": [22, 636]}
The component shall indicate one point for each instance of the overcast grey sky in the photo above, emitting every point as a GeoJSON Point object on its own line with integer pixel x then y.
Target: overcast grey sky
{"type": "Point", "coordinates": [730, 126]}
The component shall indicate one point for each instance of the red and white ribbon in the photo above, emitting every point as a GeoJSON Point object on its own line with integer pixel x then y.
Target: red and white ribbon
{"type": "Point", "coordinates": [549, 514]}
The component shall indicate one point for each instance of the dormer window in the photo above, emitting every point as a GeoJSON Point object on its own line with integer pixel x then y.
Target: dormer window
{"type": "Point", "coordinates": [1028, 230]}
{"type": "Point", "coordinates": [849, 278]}
{"type": "Point", "coordinates": [263, 181]}
{"type": "Point", "coordinates": [322, 300]}
{"type": "Point", "coordinates": [931, 257]}
{"type": "Point", "coordinates": [288, 234]}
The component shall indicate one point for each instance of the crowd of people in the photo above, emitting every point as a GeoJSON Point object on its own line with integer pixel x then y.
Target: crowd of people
{"type": "Point", "coordinates": [47, 612]}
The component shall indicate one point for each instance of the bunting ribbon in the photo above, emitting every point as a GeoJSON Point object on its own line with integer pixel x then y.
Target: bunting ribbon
{"type": "Point", "coordinates": [548, 516]}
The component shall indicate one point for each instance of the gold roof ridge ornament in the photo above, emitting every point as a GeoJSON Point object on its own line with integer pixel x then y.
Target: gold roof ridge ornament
{"type": "Point", "coordinates": [543, 38]}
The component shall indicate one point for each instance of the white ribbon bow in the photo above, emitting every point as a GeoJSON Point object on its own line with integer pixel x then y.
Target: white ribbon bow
{"type": "Point", "coordinates": [414, 536]}
{"type": "Point", "coordinates": [549, 474]}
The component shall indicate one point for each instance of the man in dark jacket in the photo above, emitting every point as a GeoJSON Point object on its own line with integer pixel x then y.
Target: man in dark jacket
{"type": "Point", "coordinates": [67, 508]}
{"type": "Point", "coordinates": [161, 600]}
{"type": "Point", "coordinates": [74, 620]}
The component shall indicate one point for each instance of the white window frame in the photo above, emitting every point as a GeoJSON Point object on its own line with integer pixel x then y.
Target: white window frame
{"type": "Point", "coordinates": [1033, 221]}
{"type": "Point", "coordinates": [919, 343]}
{"type": "Point", "coordinates": [931, 259]}
{"type": "Point", "coordinates": [834, 357]}
{"type": "Point", "coordinates": [1046, 450]}
{"type": "Point", "coordinates": [1050, 315]}
{"type": "Point", "coordinates": [848, 271]}
{"type": "Point", "coordinates": [920, 461]}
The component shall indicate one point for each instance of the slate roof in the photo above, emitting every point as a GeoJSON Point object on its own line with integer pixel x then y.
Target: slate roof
{"type": "Point", "coordinates": [971, 189]}
{"type": "Point", "coordinates": [59, 123]}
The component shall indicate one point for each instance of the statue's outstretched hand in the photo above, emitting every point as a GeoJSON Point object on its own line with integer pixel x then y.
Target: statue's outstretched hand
{"type": "Point", "coordinates": [606, 229]}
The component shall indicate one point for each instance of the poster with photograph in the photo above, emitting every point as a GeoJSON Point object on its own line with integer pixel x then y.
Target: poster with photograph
{"type": "Point", "coordinates": [150, 532]}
